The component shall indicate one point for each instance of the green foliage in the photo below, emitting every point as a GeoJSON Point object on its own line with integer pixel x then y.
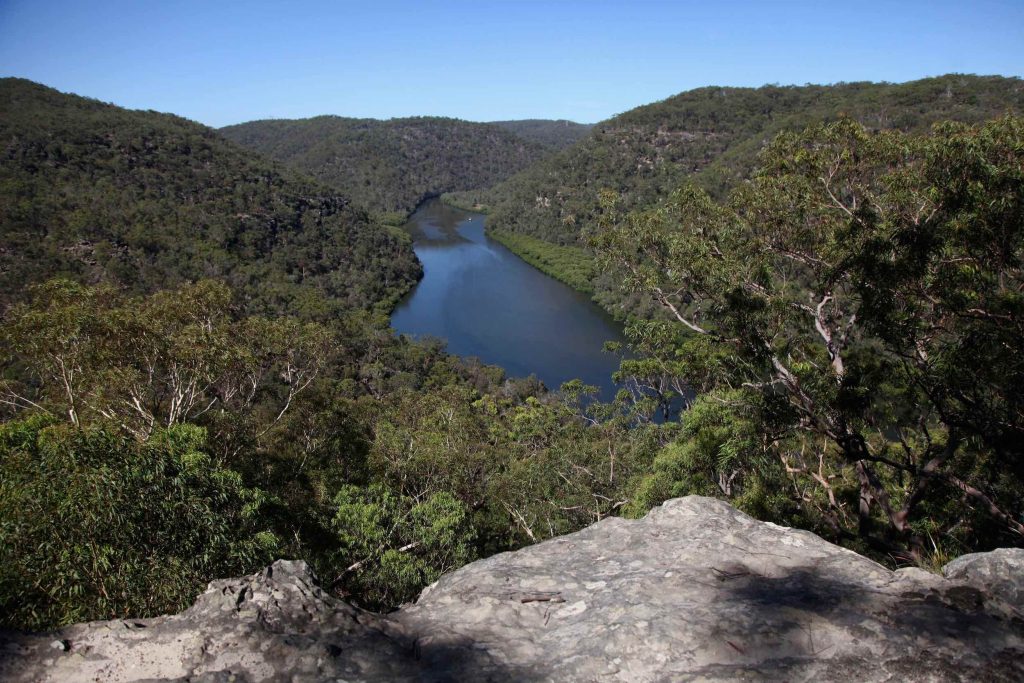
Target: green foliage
{"type": "Point", "coordinates": [164, 359]}
{"type": "Point", "coordinates": [95, 525]}
{"type": "Point", "coordinates": [467, 201]}
{"type": "Point", "coordinates": [864, 292]}
{"type": "Point", "coordinates": [722, 451]}
{"type": "Point", "coordinates": [391, 166]}
{"type": "Point", "coordinates": [847, 328]}
{"type": "Point", "coordinates": [393, 219]}
{"type": "Point", "coordinates": [547, 133]}
{"type": "Point", "coordinates": [385, 462]}
{"type": "Point", "coordinates": [572, 265]}
{"type": "Point", "coordinates": [565, 467]}
{"type": "Point", "coordinates": [470, 463]}
{"type": "Point", "coordinates": [710, 136]}
{"type": "Point", "coordinates": [151, 201]}
{"type": "Point", "coordinates": [393, 545]}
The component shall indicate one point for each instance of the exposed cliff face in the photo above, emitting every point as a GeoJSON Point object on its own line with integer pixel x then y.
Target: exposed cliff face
{"type": "Point", "coordinates": [695, 591]}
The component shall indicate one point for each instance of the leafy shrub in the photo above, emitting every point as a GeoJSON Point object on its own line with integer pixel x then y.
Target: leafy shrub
{"type": "Point", "coordinates": [393, 545]}
{"type": "Point", "coordinates": [95, 525]}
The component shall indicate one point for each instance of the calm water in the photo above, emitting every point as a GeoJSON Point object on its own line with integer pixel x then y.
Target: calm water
{"type": "Point", "coordinates": [489, 303]}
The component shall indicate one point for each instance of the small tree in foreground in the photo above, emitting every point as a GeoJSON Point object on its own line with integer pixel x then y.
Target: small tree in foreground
{"type": "Point", "coordinates": [95, 525]}
{"type": "Point", "coordinates": [860, 303]}
{"type": "Point", "coordinates": [392, 546]}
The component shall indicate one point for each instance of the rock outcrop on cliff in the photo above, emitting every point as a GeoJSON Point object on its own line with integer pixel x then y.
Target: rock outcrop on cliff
{"type": "Point", "coordinates": [695, 591]}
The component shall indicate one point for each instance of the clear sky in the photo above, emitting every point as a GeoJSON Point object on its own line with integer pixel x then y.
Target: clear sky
{"type": "Point", "coordinates": [223, 62]}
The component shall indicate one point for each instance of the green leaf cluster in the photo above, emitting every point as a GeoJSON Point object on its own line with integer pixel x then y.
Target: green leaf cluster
{"type": "Point", "coordinates": [393, 545]}
{"type": "Point", "coordinates": [96, 525]}
{"type": "Point", "coordinates": [572, 265]}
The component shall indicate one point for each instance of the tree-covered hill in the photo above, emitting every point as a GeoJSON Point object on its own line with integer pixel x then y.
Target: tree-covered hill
{"type": "Point", "coordinates": [151, 200]}
{"type": "Point", "coordinates": [714, 135]}
{"type": "Point", "coordinates": [848, 326]}
{"type": "Point", "coordinates": [390, 166]}
{"type": "Point", "coordinates": [549, 133]}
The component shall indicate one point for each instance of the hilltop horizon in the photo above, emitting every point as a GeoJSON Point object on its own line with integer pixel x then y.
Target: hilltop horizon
{"type": "Point", "coordinates": [221, 64]}
{"type": "Point", "coordinates": [498, 121]}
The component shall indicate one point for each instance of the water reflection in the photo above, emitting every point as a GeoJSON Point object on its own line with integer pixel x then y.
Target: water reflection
{"type": "Point", "coordinates": [486, 302]}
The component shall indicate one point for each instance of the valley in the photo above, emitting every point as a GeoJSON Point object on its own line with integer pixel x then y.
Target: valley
{"type": "Point", "coordinates": [287, 333]}
{"type": "Point", "coordinates": [511, 341]}
{"type": "Point", "coordinates": [486, 302]}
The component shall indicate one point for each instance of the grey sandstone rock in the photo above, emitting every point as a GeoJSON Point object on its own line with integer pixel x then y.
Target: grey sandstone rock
{"type": "Point", "coordinates": [695, 591]}
{"type": "Point", "coordinates": [997, 575]}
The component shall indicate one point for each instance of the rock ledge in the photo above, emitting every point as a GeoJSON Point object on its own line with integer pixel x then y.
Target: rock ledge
{"type": "Point", "coordinates": [695, 591]}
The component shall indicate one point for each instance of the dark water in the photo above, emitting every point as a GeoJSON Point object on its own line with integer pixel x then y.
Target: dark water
{"type": "Point", "coordinates": [487, 302]}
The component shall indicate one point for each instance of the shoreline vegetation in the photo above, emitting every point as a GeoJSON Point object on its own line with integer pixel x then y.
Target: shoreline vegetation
{"type": "Point", "coordinates": [570, 265]}
{"type": "Point", "coordinates": [573, 266]}
{"type": "Point", "coordinates": [453, 199]}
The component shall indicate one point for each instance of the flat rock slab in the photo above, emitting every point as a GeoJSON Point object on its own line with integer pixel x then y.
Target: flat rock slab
{"type": "Point", "coordinates": [695, 591]}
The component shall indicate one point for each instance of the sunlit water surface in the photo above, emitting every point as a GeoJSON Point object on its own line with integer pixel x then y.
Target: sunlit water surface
{"type": "Point", "coordinates": [487, 302]}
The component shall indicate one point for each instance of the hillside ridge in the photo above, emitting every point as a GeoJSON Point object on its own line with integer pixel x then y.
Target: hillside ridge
{"type": "Point", "coordinates": [551, 133]}
{"type": "Point", "coordinates": [147, 201]}
{"type": "Point", "coordinates": [390, 166]}
{"type": "Point", "coordinates": [711, 137]}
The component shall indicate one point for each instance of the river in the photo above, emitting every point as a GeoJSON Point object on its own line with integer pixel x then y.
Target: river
{"type": "Point", "coordinates": [487, 302]}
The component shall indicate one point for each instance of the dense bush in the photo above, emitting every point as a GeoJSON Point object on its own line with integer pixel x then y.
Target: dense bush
{"type": "Point", "coordinates": [95, 525]}
{"type": "Point", "coordinates": [854, 323]}
{"type": "Point", "coordinates": [391, 166]}
{"type": "Point", "coordinates": [391, 546]}
{"type": "Point", "coordinates": [385, 462]}
{"type": "Point", "coordinates": [711, 136]}
{"type": "Point", "coordinates": [151, 201]}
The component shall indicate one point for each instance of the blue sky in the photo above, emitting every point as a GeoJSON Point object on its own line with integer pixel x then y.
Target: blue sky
{"type": "Point", "coordinates": [225, 62]}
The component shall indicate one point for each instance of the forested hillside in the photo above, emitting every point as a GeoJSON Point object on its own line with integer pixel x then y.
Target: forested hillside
{"type": "Point", "coordinates": [549, 133]}
{"type": "Point", "coordinates": [390, 166]}
{"type": "Point", "coordinates": [151, 201]}
{"type": "Point", "coordinates": [196, 376]}
{"type": "Point", "coordinates": [713, 136]}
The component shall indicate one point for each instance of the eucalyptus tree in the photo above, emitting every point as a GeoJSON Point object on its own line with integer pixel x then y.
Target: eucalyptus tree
{"type": "Point", "coordinates": [89, 353]}
{"type": "Point", "coordinates": [860, 304]}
